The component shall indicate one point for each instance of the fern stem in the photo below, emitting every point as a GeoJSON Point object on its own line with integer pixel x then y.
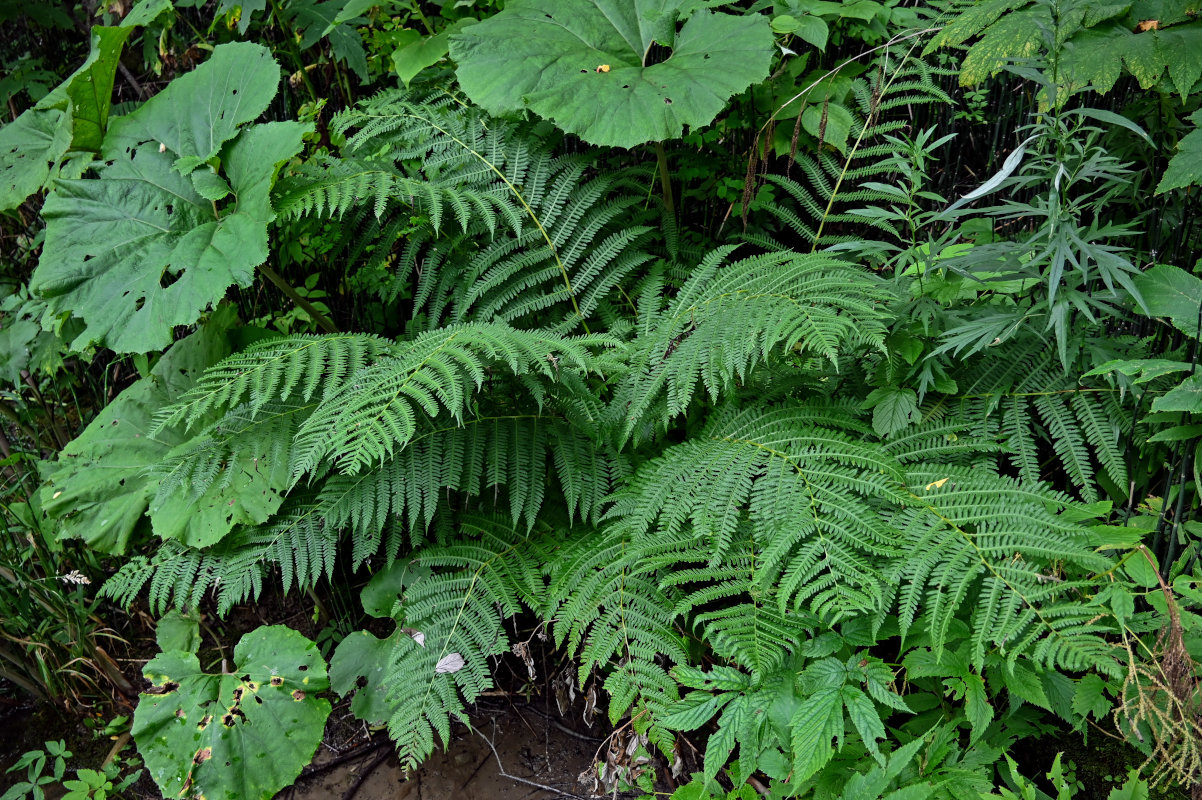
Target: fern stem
{"type": "Point", "coordinates": [322, 321]}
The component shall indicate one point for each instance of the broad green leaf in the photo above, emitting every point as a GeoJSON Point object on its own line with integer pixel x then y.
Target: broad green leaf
{"type": "Point", "coordinates": [1186, 397]}
{"type": "Point", "coordinates": [813, 30]}
{"type": "Point", "coordinates": [239, 736]}
{"type": "Point", "coordinates": [29, 146]}
{"type": "Point", "coordinates": [246, 10]}
{"type": "Point", "coordinates": [1185, 168]}
{"type": "Point", "coordinates": [1172, 292]}
{"type": "Point", "coordinates": [410, 59]}
{"type": "Point", "coordinates": [146, 11]}
{"type": "Point", "coordinates": [199, 112]}
{"type": "Point", "coordinates": [1089, 698]}
{"type": "Point", "coordinates": [818, 720]}
{"type": "Point", "coordinates": [583, 64]}
{"type": "Point", "coordinates": [362, 655]}
{"type": "Point", "coordinates": [90, 89]}
{"type": "Point", "coordinates": [176, 631]}
{"type": "Point", "coordinates": [893, 409]}
{"type": "Point", "coordinates": [98, 490]}
{"type": "Point", "coordinates": [382, 592]}
{"type": "Point", "coordinates": [72, 116]}
{"type": "Point", "coordinates": [139, 251]}
{"type": "Point", "coordinates": [834, 129]}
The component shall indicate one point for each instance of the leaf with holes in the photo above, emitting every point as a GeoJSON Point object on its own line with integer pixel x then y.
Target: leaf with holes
{"type": "Point", "coordinates": [551, 56]}
{"type": "Point", "coordinates": [140, 250]}
{"type": "Point", "coordinates": [100, 488]}
{"type": "Point", "coordinates": [239, 736]}
{"type": "Point", "coordinates": [72, 117]}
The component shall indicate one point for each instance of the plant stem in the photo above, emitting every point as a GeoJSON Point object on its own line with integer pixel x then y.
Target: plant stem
{"type": "Point", "coordinates": [665, 179]}
{"type": "Point", "coordinates": [322, 321]}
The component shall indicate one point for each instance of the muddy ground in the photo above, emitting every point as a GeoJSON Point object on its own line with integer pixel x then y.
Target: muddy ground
{"type": "Point", "coordinates": [514, 751]}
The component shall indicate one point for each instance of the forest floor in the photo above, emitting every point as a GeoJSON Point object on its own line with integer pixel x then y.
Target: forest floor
{"type": "Point", "coordinates": [512, 752]}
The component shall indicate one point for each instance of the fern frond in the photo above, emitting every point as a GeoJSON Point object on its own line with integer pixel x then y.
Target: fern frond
{"type": "Point", "coordinates": [363, 421]}
{"type": "Point", "coordinates": [460, 611]}
{"type": "Point", "coordinates": [275, 369]}
{"type": "Point", "coordinates": [987, 544]}
{"type": "Point", "coordinates": [177, 576]}
{"type": "Point", "coordinates": [726, 320]}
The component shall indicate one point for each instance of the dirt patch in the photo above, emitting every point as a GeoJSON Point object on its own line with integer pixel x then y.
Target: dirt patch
{"type": "Point", "coordinates": [535, 758]}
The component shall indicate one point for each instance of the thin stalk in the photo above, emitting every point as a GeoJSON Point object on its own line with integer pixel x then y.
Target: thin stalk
{"type": "Point", "coordinates": [322, 321]}
{"type": "Point", "coordinates": [665, 179]}
{"type": "Point", "coordinates": [293, 50]}
{"type": "Point", "coordinates": [55, 431]}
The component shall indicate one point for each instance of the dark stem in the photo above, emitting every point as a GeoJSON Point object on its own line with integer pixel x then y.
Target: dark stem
{"type": "Point", "coordinates": [665, 179]}
{"type": "Point", "coordinates": [322, 321]}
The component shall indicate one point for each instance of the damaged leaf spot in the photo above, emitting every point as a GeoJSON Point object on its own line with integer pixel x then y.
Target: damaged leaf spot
{"type": "Point", "coordinates": [276, 680]}
{"type": "Point", "coordinates": [298, 695]}
{"type": "Point", "coordinates": [204, 723]}
{"type": "Point", "coordinates": [202, 755]}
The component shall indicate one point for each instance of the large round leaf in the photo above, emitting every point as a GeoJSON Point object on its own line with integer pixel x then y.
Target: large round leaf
{"type": "Point", "coordinates": [584, 65]}
{"type": "Point", "coordinates": [241, 736]}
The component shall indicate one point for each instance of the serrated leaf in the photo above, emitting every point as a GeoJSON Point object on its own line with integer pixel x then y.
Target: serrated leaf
{"type": "Point", "coordinates": [816, 722]}
{"type": "Point", "coordinates": [138, 251]}
{"type": "Point", "coordinates": [694, 710]}
{"type": "Point", "coordinates": [893, 409]}
{"type": "Point", "coordinates": [867, 721]}
{"type": "Point", "coordinates": [550, 56]}
{"type": "Point", "coordinates": [1172, 292]}
{"type": "Point", "coordinates": [239, 736]}
{"type": "Point", "coordinates": [976, 705]}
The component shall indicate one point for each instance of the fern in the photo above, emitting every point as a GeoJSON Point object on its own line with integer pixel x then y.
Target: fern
{"type": "Point", "coordinates": [827, 180]}
{"type": "Point", "coordinates": [275, 369]}
{"type": "Point", "coordinates": [369, 417]}
{"type": "Point", "coordinates": [460, 612]}
{"type": "Point", "coordinates": [561, 245]}
{"type": "Point", "coordinates": [1029, 387]}
{"type": "Point", "coordinates": [295, 542]}
{"type": "Point", "coordinates": [727, 319]}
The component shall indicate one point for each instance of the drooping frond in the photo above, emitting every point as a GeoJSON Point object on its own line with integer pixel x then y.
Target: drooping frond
{"type": "Point", "coordinates": [619, 621]}
{"type": "Point", "coordinates": [988, 543]}
{"type": "Point", "coordinates": [458, 614]}
{"type": "Point", "coordinates": [1037, 406]}
{"type": "Point", "coordinates": [727, 319]}
{"type": "Point", "coordinates": [275, 370]}
{"type": "Point", "coordinates": [235, 569]}
{"type": "Point", "coordinates": [366, 419]}
{"type": "Point", "coordinates": [570, 234]}
{"type": "Point", "coordinates": [505, 460]}
{"type": "Point", "coordinates": [332, 187]}
{"type": "Point", "coordinates": [809, 492]}
{"type": "Point", "coordinates": [819, 203]}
